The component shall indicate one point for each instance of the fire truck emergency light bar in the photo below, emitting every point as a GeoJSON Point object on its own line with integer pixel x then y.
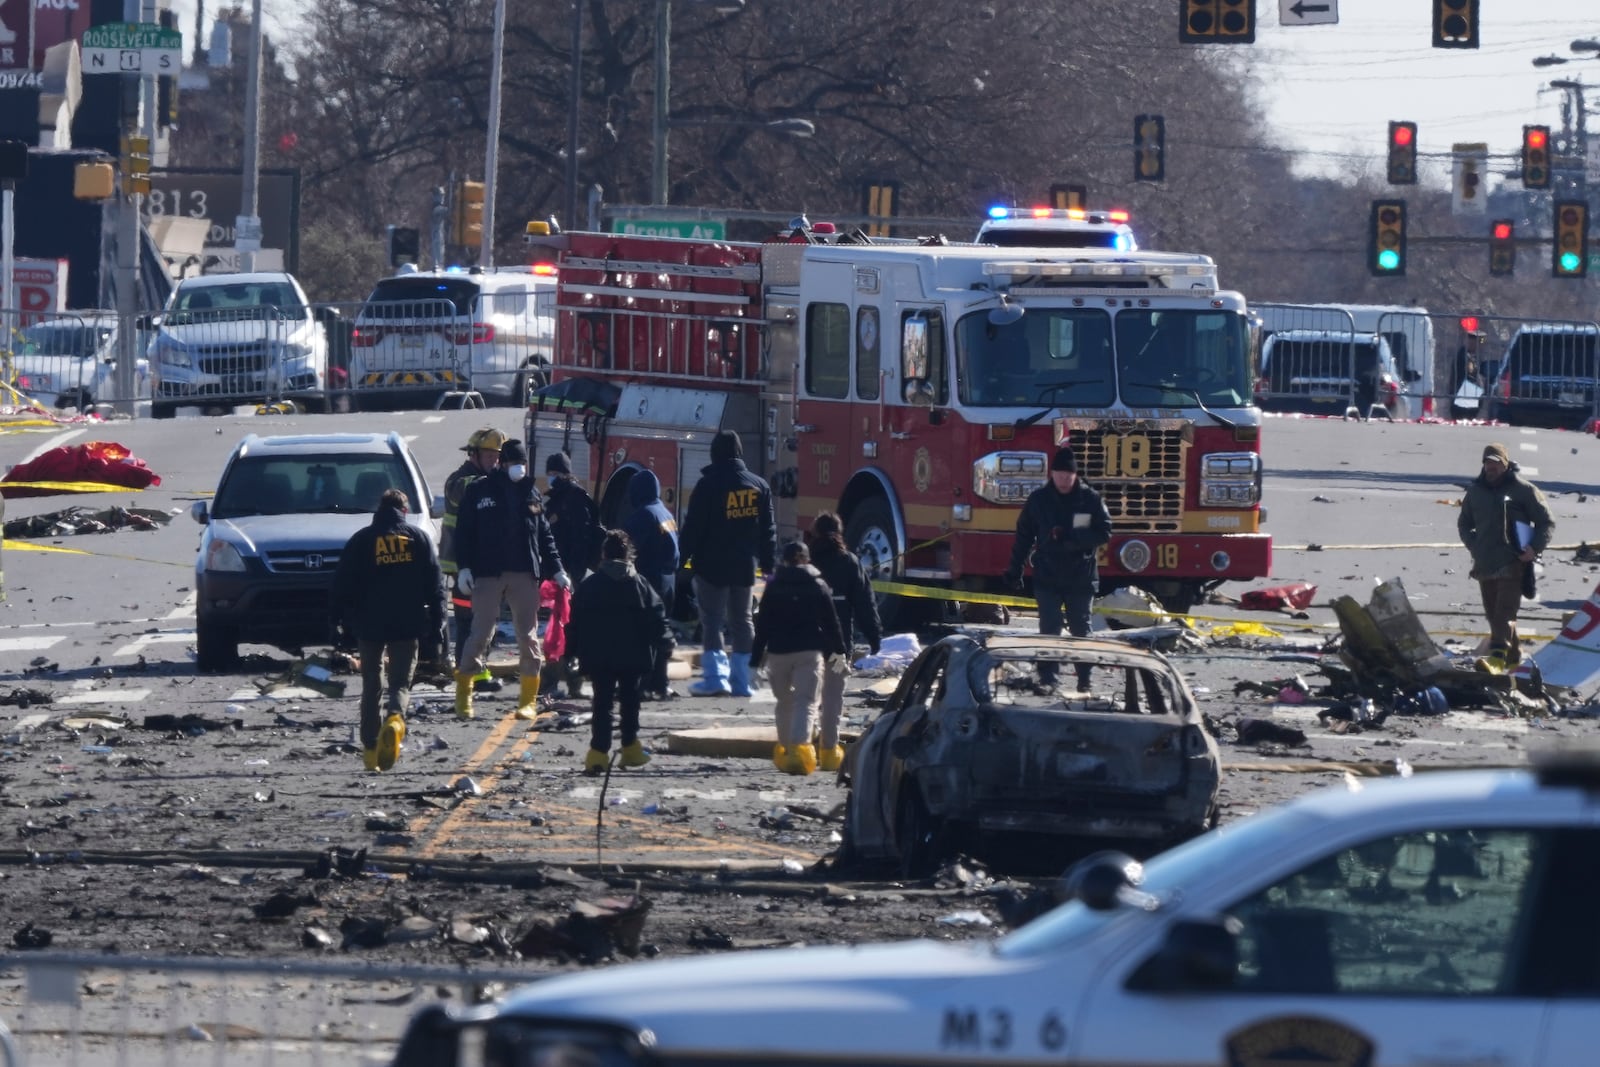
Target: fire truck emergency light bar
{"type": "Point", "coordinates": [1022, 268]}
{"type": "Point", "coordinates": [1077, 214]}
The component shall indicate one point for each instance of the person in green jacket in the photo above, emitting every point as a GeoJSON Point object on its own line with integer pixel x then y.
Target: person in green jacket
{"type": "Point", "coordinates": [1505, 525]}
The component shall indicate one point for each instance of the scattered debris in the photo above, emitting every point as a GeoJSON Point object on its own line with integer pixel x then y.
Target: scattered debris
{"type": "Point", "coordinates": [1258, 731]}
{"type": "Point", "coordinates": [29, 936]}
{"type": "Point", "coordinates": [81, 520]}
{"type": "Point", "coordinates": [593, 932]}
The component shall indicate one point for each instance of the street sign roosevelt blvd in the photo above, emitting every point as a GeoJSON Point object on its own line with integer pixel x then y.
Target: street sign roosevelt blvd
{"type": "Point", "coordinates": [131, 48]}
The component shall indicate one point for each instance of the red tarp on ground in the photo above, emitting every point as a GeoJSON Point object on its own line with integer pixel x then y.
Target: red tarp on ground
{"type": "Point", "coordinates": [96, 463]}
{"type": "Point", "coordinates": [1293, 597]}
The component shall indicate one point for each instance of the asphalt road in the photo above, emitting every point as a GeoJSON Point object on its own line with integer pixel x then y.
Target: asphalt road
{"type": "Point", "coordinates": [1349, 504]}
{"type": "Point", "coordinates": [166, 842]}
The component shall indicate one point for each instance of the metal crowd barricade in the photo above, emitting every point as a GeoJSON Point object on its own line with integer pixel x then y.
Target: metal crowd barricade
{"type": "Point", "coordinates": [135, 1011]}
{"type": "Point", "coordinates": [1524, 372]}
{"type": "Point", "coordinates": [220, 356]}
{"type": "Point", "coordinates": [1307, 362]}
{"type": "Point", "coordinates": [67, 361]}
{"type": "Point", "coordinates": [409, 353]}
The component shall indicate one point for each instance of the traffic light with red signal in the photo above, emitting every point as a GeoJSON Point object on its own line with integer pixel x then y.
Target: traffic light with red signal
{"type": "Point", "coordinates": [1455, 23]}
{"type": "Point", "coordinates": [1571, 252]}
{"type": "Point", "coordinates": [1536, 157]}
{"type": "Point", "coordinates": [1502, 248]}
{"type": "Point", "coordinates": [1402, 153]}
{"type": "Point", "coordinates": [1386, 244]}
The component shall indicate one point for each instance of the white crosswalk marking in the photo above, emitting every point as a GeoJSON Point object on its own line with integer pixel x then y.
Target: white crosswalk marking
{"type": "Point", "coordinates": [137, 646]}
{"type": "Point", "coordinates": [29, 644]}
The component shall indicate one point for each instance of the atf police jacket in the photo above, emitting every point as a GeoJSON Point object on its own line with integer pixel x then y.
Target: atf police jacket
{"type": "Point", "coordinates": [1063, 530]}
{"type": "Point", "coordinates": [388, 586]}
{"type": "Point", "coordinates": [501, 528]}
{"type": "Point", "coordinates": [730, 528]}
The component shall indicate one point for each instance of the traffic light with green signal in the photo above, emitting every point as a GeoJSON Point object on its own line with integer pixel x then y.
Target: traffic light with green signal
{"type": "Point", "coordinates": [1455, 23]}
{"type": "Point", "coordinates": [1149, 148]}
{"type": "Point", "coordinates": [1570, 257]}
{"type": "Point", "coordinates": [1502, 248]}
{"type": "Point", "coordinates": [1217, 21]}
{"type": "Point", "coordinates": [1536, 157]}
{"type": "Point", "coordinates": [1402, 153]}
{"type": "Point", "coordinates": [1386, 244]}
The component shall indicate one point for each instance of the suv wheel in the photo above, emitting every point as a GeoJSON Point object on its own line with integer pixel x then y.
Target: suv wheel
{"type": "Point", "coordinates": [216, 647]}
{"type": "Point", "coordinates": [160, 409]}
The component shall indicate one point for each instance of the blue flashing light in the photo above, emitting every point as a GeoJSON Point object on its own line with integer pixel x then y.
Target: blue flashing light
{"type": "Point", "coordinates": [998, 212]}
{"type": "Point", "coordinates": [1123, 242]}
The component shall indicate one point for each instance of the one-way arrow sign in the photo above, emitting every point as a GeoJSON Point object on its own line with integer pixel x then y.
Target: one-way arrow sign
{"type": "Point", "coordinates": [1302, 13]}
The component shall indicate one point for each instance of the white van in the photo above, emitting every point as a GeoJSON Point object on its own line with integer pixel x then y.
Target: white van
{"type": "Point", "coordinates": [1408, 331]}
{"type": "Point", "coordinates": [425, 334]}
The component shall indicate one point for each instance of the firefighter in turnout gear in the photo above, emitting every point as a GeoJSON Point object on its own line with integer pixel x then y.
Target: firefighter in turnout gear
{"type": "Point", "coordinates": [483, 455]}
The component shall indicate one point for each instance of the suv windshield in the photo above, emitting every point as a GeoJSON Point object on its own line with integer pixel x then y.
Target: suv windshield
{"type": "Point", "coordinates": [407, 297]}
{"type": "Point", "coordinates": [305, 484]}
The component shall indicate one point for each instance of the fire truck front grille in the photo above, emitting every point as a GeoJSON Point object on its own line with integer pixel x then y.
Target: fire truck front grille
{"type": "Point", "coordinates": [1148, 507]}
{"type": "Point", "coordinates": [1139, 473]}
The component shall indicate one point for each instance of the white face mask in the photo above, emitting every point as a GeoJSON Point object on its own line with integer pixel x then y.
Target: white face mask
{"type": "Point", "coordinates": [517, 471]}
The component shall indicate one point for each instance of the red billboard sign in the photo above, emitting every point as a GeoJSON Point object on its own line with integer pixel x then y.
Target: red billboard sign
{"type": "Point", "coordinates": [55, 21]}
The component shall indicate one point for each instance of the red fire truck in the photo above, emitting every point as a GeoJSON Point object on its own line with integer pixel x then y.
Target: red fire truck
{"type": "Point", "coordinates": [919, 388]}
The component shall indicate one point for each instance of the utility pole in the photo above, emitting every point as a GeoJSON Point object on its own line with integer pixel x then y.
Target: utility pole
{"type": "Point", "coordinates": [491, 163]}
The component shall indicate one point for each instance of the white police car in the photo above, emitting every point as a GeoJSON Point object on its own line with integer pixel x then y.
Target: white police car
{"type": "Point", "coordinates": [1444, 919]}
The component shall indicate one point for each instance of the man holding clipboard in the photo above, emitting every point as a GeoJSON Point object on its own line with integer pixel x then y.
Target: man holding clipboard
{"type": "Point", "coordinates": [1505, 524]}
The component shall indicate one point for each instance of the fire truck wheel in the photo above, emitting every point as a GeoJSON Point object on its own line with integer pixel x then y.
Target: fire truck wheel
{"type": "Point", "coordinates": [869, 531]}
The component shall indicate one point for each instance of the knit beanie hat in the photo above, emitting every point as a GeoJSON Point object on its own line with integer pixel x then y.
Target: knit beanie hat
{"type": "Point", "coordinates": [1066, 459]}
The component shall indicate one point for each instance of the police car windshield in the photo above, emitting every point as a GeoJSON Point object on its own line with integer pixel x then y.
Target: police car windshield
{"type": "Point", "coordinates": [1231, 848]}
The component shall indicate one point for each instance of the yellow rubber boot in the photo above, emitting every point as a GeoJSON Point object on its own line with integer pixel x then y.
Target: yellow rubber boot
{"type": "Point", "coordinates": [801, 759]}
{"type": "Point", "coordinates": [634, 755]}
{"type": "Point", "coordinates": [390, 738]}
{"type": "Point", "coordinates": [369, 758]}
{"type": "Point", "coordinates": [829, 759]}
{"type": "Point", "coordinates": [780, 757]}
{"type": "Point", "coordinates": [463, 695]}
{"type": "Point", "coordinates": [594, 762]}
{"type": "Point", "coordinates": [528, 697]}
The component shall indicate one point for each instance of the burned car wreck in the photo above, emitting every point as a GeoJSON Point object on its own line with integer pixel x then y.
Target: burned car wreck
{"type": "Point", "coordinates": [975, 754]}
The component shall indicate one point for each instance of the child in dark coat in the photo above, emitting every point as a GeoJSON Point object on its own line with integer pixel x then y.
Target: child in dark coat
{"type": "Point", "coordinates": [618, 627]}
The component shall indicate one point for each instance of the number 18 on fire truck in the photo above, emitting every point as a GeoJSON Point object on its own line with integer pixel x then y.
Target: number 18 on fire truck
{"type": "Point", "coordinates": [919, 388]}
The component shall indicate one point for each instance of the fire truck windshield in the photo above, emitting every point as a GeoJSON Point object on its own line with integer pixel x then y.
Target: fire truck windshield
{"type": "Point", "coordinates": [1172, 358]}
{"type": "Point", "coordinates": [1063, 351]}
{"type": "Point", "coordinates": [1066, 357]}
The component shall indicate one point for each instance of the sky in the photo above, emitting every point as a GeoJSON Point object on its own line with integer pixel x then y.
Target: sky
{"type": "Point", "coordinates": [1330, 91]}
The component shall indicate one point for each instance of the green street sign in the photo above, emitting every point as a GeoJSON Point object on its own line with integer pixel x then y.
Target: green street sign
{"type": "Point", "coordinates": [1594, 263]}
{"type": "Point", "coordinates": [132, 48]}
{"type": "Point", "coordinates": [694, 229]}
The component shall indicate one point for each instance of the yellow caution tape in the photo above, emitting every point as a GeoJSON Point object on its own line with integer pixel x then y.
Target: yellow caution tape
{"type": "Point", "coordinates": [29, 546]}
{"type": "Point", "coordinates": [72, 487]}
{"type": "Point", "coordinates": [926, 592]}
{"type": "Point", "coordinates": [1243, 629]}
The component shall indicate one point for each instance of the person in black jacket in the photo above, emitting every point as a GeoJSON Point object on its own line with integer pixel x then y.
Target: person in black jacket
{"type": "Point", "coordinates": [388, 591]}
{"type": "Point", "coordinates": [1063, 524]}
{"type": "Point", "coordinates": [504, 548]}
{"type": "Point", "coordinates": [855, 605]}
{"type": "Point", "coordinates": [654, 533]}
{"type": "Point", "coordinates": [729, 531]}
{"type": "Point", "coordinates": [618, 626]}
{"type": "Point", "coordinates": [798, 626]}
{"type": "Point", "coordinates": [575, 521]}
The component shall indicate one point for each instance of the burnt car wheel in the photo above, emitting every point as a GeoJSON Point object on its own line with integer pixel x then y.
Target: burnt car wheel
{"type": "Point", "coordinates": [216, 648]}
{"type": "Point", "coordinates": [917, 836]}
